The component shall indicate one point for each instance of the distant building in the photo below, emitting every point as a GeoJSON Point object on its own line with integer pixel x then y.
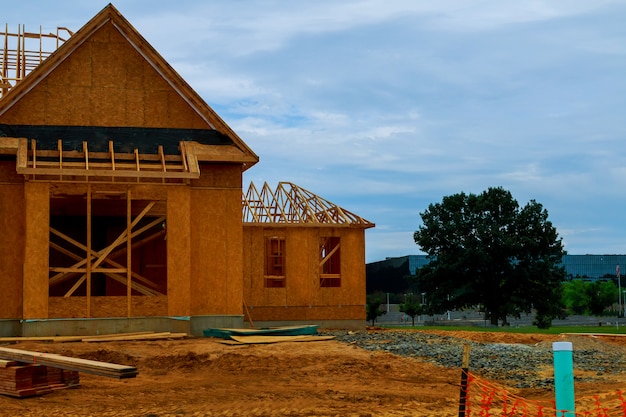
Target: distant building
{"type": "Point", "coordinates": [390, 274]}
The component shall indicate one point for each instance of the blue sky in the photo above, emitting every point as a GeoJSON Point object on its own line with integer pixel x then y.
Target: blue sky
{"type": "Point", "coordinates": [386, 106]}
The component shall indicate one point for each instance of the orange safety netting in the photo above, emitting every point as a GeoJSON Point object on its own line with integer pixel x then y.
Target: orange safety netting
{"type": "Point", "coordinates": [487, 399]}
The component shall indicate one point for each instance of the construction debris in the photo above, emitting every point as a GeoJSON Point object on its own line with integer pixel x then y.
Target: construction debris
{"type": "Point", "coordinates": [248, 340]}
{"type": "Point", "coordinates": [26, 380]}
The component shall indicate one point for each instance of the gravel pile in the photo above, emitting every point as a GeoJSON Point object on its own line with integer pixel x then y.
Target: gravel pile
{"type": "Point", "coordinates": [522, 366]}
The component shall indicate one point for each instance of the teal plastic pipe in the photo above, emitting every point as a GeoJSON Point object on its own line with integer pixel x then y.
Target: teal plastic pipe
{"type": "Point", "coordinates": [564, 379]}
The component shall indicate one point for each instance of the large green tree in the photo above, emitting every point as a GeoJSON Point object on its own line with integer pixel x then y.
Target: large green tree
{"type": "Point", "coordinates": [486, 251]}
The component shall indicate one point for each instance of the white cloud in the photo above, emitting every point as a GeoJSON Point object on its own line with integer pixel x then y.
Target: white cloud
{"type": "Point", "coordinates": [386, 106]}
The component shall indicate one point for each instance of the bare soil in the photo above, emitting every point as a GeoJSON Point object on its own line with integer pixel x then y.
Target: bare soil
{"type": "Point", "coordinates": [203, 377]}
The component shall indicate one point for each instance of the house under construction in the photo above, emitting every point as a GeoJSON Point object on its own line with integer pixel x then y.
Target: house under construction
{"type": "Point", "coordinates": [122, 206]}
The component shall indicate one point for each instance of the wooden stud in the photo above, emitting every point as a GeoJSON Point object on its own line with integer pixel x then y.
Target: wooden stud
{"type": "Point", "coordinates": [60, 147]}
{"type": "Point", "coordinates": [112, 152]}
{"type": "Point", "coordinates": [61, 277]}
{"type": "Point", "coordinates": [22, 154]}
{"type": "Point", "coordinates": [148, 289]}
{"type": "Point", "coordinates": [88, 258]}
{"type": "Point", "coordinates": [86, 152]}
{"type": "Point", "coordinates": [129, 251]}
{"type": "Point", "coordinates": [122, 236]}
{"type": "Point", "coordinates": [162, 156]}
{"type": "Point", "coordinates": [75, 287]}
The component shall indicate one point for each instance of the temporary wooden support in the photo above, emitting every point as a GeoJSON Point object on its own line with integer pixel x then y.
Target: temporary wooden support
{"type": "Point", "coordinates": [91, 263]}
{"type": "Point", "coordinates": [290, 204]}
{"type": "Point", "coordinates": [148, 289]}
{"type": "Point", "coordinates": [65, 273]}
{"type": "Point", "coordinates": [65, 166]}
{"type": "Point", "coordinates": [89, 251]}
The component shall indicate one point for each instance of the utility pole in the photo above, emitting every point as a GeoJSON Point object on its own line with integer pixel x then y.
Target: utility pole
{"type": "Point", "coordinates": [619, 291]}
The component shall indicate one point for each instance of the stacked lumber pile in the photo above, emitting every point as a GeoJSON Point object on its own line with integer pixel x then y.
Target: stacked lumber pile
{"type": "Point", "coordinates": [111, 370]}
{"type": "Point", "coordinates": [117, 337]}
{"type": "Point", "coordinates": [26, 380]}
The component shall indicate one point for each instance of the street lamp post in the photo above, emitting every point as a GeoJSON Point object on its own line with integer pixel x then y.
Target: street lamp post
{"type": "Point", "coordinates": [619, 292]}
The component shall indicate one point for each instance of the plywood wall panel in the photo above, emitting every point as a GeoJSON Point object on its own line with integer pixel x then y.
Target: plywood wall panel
{"type": "Point", "coordinates": [305, 313]}
{"type": "Point", "coordinates": [219, 176]}
{"type": "Point", "coordinates": [304, 299]}
{"type": "Point", "coordinates": [234, 252]}
{"type": "Point", "coordinates": [134, 109]}
{"type": "Point", "coordinates": [76, 307]}
{"type": "Point", "coordinates": [178, 251]}
{"type": "Point", "coordinates": [301, 276]}
{"type": "Point", "coordinates": [12, 207]}
{"type": "Point", "coordinates": [253, 261]}
{"type": "Point", "coordinates": [216, 252]}
{"type": "Point", "coordinates": [37, 214]}
{"type": "Point", "coordinates": [100, 84]}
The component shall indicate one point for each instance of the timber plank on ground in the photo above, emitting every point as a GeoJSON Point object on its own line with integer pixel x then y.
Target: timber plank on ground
{"type": "Point", "coordinates": [67, 338]}
{"type": "Point", "coordinates": [111, 370]}
{"type": "Point", "coordinates": [138, 337]}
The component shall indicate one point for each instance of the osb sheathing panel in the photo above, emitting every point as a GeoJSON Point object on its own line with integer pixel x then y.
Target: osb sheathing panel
{"type": "Point", "coordinates": [76, 307]}
{"type": "Point", "coordinates": [302, 297]}
{"type": "Point", "coordinates": [220, 176]}
{"type": "Point", "coordinates": [291, 313]}
{"type": "Point", "coordinates": [105, 82]}
{"type": "Point", "coordinates": [178, 251]}
{"type": "Point", "coordinates": [216, 251]}
{"type": "Point", "coordinates": [37, 215]}
{"type": "Point", "coordinates": [12, 207]}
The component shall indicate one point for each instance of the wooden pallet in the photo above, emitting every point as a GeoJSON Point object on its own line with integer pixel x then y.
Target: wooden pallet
{"type": "Point", "coordinates": [111, 370]}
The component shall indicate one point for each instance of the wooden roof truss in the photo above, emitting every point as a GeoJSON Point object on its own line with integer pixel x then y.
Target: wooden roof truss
{"type": "Point", "coordinates": [22, 51]}
{"type": "Point", "coordinates": [75, 166]}
{"type": "Point", "coordinates": [291, 204]}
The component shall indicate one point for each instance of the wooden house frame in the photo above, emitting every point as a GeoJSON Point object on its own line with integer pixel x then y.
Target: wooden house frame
{"type": "Point", "coordinates": [304, 258]}
{"type": "Point", "coordinates": [121, 204]}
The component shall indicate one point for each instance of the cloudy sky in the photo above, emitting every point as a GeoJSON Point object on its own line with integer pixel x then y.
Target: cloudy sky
{"type": "Point", "coordinates": [386, 106]}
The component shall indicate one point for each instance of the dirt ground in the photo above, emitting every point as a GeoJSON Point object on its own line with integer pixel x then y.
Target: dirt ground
{"type": "Point", "coordinates": [203, 377]}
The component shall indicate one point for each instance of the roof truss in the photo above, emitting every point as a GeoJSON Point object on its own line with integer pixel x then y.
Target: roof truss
{"type": "Point", "coordinates": [290, 204]}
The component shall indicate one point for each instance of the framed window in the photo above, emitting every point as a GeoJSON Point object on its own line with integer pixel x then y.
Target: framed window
{"type": "Point", "coordinates": [330, 262]}
{"type": "Point", "coordinates": [274, 262]}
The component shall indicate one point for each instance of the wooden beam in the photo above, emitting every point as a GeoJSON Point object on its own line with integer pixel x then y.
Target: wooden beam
{"type": "Point", "coordinates": [61, 277]}
{"type": "Point", "coordinates": [122, 236]}
{"type": "Point", "coordinates": [75, 287]}
{"type": "Point", "coordinates": [71, 364]}
{"type": "Point", "coordinates": [86, 152]}
{"type": "Point", "coordinates": [22, 154]}
{"type": "Point", "coordinates": [129, 251]}
{"type": "Point", "coordinates": [88, 258]}
{"type": "Point", "coordinates": [147, 282]}
{"type": "Point", "coordinates": [329, 255]}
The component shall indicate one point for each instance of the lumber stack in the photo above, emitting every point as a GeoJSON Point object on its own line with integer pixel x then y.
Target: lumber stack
{"type": "Point", "coordinates": [26, 380]}
{"type": "Point", "coordinates": [117, 337]}
{"type": "Point", "coordinates": [111, 370]}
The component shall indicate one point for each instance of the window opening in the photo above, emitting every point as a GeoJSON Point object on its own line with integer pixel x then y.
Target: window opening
{"type": "Point", "coordinates": [107, 249]}
{"type": "Point", "coordinates": [274, 262]}
{"type": "Point", "coordinates": [330, 262]}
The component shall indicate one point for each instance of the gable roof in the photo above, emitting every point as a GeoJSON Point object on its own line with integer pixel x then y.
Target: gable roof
{"type": "Point", "coordinates": [111, 16]}
{"type": "Point", "coordinates": [290, 204]}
